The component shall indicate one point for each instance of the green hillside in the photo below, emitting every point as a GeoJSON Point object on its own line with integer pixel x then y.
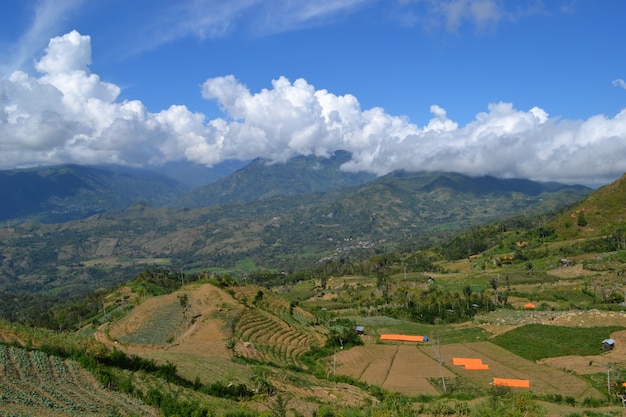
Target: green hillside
{"type": "Point", "coordinates": [261, 180]}
{"type": "Point", "coordinates": [63, 193]}
{"type": "Point", "coordinates": [602, 213]}
{"type": "Point", "coordinates": [280, 233]}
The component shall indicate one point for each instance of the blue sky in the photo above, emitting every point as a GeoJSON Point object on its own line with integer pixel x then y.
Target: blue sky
{"type": "Point", "coordinates": [529, 89]}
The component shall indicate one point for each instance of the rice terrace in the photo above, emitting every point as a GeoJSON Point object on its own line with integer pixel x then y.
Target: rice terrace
{"type": "Point", "coordinates": [261, 327]}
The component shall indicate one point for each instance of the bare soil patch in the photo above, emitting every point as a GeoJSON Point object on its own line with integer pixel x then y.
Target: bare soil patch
{"type": "Point", "coordinates": [400, 367]}
{"type": "Point", "coordinates": [199, 349]}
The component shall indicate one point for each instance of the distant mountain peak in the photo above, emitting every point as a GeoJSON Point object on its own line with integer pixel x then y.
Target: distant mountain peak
{"type": "Point", "coordinates": [263, 179]}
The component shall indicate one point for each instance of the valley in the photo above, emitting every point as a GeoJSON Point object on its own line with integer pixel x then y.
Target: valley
{"type": "Point", "coordinates": [210, 339]}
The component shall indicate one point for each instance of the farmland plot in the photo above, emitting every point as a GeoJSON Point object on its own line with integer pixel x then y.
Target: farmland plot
{"type": "Point", "coordinates": [410, 371]}
{"type": "Point", "coordinates": [398, 367]}
{"type": "Point", "coordinates": [47, 385]}
{"type": "Point", "coordinates": [157, 329]}
{"type": "Point", "coordinates": [504, 364]}
{"type": "Point", "coordinates": [266, 337]}
{"type": "Point", "coordinates": [157, 323]}
{"type": "Point", "coordinates": [276, 305]}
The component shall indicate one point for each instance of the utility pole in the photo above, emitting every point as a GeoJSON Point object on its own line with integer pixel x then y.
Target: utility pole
{"type": "Point", "coordinates": [437, 350]}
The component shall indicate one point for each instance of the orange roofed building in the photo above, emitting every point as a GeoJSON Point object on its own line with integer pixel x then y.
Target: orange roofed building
{"type": "Point", "coordinates": [516, 383]}
{"type": "Point", "coordinates": [403, 338]}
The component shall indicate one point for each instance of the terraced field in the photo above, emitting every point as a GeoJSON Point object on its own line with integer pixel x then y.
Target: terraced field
{"type": "Point", "coordinates": [157, 329]}
{"type": "Point", "coordinates": [33, 383]}
{"type": "Point", "coordinates": [276, 305]}
{"type": "Point", "coordinates": [268, 338]}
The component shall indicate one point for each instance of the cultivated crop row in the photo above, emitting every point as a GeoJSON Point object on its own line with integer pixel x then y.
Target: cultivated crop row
{"type": "Point", "coordinates": [268, 338]}
{"type": "Point", "coordinates": [34, 379]}
{"type": "Point", "coordinates": [166, 322]}
{"type": "Point", "coordinates": [278, 306]}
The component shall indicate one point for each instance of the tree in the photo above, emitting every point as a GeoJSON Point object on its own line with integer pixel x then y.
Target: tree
{"type": "Point", "coordinates": [184, 303]}
{"type": "Point", "coordinates": [278, 405]}
{"type": "Point", "coordinates": [494, 284]}
{"type": "Point", "coordinates": [504, 403]}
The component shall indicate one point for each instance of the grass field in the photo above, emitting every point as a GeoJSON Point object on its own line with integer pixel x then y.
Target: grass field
{"type": "Point", "coordinates": [535, 341]}
{"type": "Point", "coordinates": [445, 334]}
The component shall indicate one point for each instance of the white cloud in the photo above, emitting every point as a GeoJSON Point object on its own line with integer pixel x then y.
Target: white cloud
{"type": "Point", "coordinates": [218, 18]}
{"type": "Point", "coordinates": [48, 16]}
{"type": "Point", "coordinates": [481, 14]}
{"type": "Point", "coordinates": [619, 83]}
{"type": "Point", "coordinates": [68, 114]}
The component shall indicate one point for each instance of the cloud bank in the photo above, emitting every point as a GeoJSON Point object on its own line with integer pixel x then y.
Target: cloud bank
{"type": "Point", "coordinates": [68, 114]}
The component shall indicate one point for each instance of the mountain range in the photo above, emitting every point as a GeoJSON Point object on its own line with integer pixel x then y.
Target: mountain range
{"type": "Point", "coordinates": [91, 226]}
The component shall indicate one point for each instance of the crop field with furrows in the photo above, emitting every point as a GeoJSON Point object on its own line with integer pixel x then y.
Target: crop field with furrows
{"type": "Point", "coordinates": [275, 304]}
{"type": "Point", "coordinates": [191, 365]}
{"type": "Point", "coordinates": [504, 364]}
{"type": "Point", "coordinates": [268, 338]}
{"type": "Point", "coordinates": [158, 322]}
{"type": "Point", "coordinates": [34, 381]}
{"type": "Point", "coordinates": [307, 398]}
{"type": "Point", "coordinates": [397, 367]}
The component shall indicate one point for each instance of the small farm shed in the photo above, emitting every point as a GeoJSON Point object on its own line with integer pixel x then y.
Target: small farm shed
{"type": "Point", "coordinates": [359, 329]}
{"type": "Point", "coordinates": [608, 344]}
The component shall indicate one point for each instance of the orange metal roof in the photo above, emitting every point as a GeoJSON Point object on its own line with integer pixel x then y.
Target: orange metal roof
{"type": "Point", "coordinates": [519, 383]}
{"type": "Point", "coordinates": [401, 337]}
{"type": "Point", "coordinates": [470, 364]}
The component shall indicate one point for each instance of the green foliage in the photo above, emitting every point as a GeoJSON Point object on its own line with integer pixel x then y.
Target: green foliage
{"type": "Point", "coordinates": [536, 341]}
{"type": "Point", "coordinates": [277, 233]}
{"type": "Point", "coordinates": [67, 192]}
{"type": "Point", "coordinates": [505, 403]}
{"type": "Point", "coordinates": [230, 391]}
{"type": "Point", "coordinates": [465, 244]}
{"type": "Point", "coordinates": [171, 405]}
{"type": "Point", "coordinates": [343, 335]}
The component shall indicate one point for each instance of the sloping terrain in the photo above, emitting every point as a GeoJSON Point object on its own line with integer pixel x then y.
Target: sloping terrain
{"type": "Point", "coordinates": [601, 213]}
{"type": "Point", "coordinates": [213, 326]}
{"type": "Point", "coordinates": [281, 232]}
{"type": "Point", "coordinates": [261, 179]}
{"type": "Point", "coordinates": [67, 192]}
{"type": "Point", "coordinates": [218, 325]}
{"type": "Point", "coordinates": [33, 383]}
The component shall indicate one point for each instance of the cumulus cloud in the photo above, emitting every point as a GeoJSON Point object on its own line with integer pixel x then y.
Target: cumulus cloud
{"type": "Point", "coordinates": [68, 114]}
{"type": "Point", "coordinates": [48, 16]}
